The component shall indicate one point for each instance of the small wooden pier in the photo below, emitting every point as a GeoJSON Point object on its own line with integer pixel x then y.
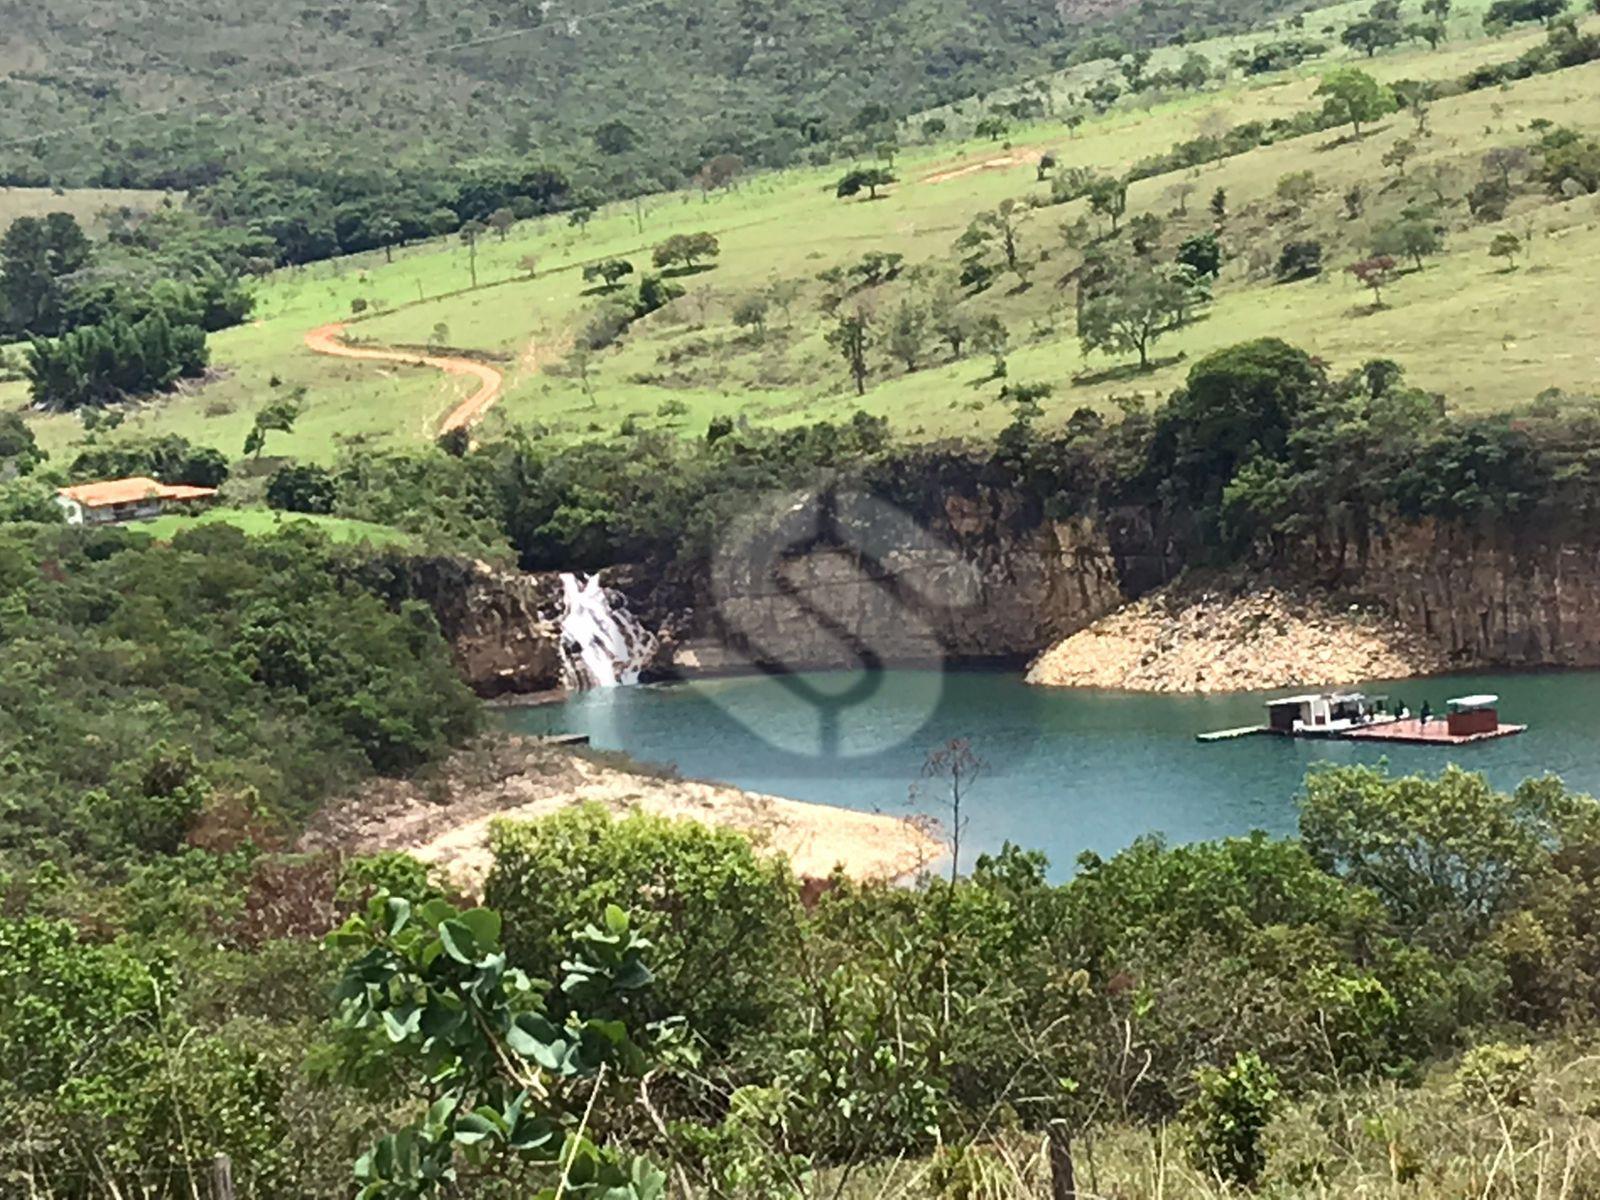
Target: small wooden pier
{"type": "Point", "coordinates": [1227, 735]}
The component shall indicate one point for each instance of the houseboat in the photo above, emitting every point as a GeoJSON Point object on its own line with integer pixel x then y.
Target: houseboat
{"type": "Point", "coordinates": [1355, 716]}
{"type": "Point", "coordinates": [1326, 714]}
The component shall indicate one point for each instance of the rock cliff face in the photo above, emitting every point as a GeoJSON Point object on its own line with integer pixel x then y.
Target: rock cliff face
{"type": "Point", "coordinates": [1489, 598]}
{"type": "Point", "coordinates": [977, 581]}
{"type": "Point", "coordinates": [500, 624]}
{"type": "Point", "coordinates": [861, 583]}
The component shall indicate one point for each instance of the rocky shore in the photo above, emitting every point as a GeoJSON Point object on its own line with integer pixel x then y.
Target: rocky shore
{"type": "Point", "coordinates": [1185, 639]}
{"type": "Point", "coordinates": [444, 818]}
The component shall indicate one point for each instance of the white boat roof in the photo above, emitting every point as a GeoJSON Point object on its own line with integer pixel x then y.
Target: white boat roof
{"type": "Point", "coordinates": [1480, 701]}
{"type": "Point", "coordinates": [1310, 696]}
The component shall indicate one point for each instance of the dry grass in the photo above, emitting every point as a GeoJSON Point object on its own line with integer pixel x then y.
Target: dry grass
{"type": "Point", "coordinates": [1433, 1142]}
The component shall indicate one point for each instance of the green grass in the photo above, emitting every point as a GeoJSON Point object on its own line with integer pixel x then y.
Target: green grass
{"type": "Point", "coordinates": [258, 522]}
{"type": "Point", "coordinates": [1485, 339]}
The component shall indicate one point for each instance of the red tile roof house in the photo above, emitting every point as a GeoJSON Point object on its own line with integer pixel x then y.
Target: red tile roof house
{"type": "Point", "coordinates": [114, 500]}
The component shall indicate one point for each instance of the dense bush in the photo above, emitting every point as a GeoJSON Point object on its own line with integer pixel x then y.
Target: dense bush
{"type": "Point", "coordinates": [216, 672]}
{"type": "Point", "coordinates": [721, 920]}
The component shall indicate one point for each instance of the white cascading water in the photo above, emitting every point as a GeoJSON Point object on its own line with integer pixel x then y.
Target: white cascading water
{"type": "Point", "coordinates": [601, 645]}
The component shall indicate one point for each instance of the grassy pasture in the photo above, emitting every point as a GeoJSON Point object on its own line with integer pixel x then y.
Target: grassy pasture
{"type": "Point", "coordinates": [258, 522]}
{"type": "Point", "coordinates": [87, 204]}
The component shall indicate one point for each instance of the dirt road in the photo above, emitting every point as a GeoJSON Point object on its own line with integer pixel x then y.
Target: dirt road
{"type": "Point", "coordinates": [328, 339]}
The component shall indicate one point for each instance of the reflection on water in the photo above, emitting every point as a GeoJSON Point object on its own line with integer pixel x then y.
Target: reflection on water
{"type": "Point", "coordinates": [1067, 771]}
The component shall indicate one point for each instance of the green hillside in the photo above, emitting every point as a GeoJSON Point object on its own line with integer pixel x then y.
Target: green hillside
{"type": "Point", "coordinates": [181, 93]}
{"type": "Point", "coordinates": [1486, 333]}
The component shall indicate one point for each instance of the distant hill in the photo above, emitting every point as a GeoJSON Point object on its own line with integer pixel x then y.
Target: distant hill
{"type": "Point", "coordinates": [623, 97]}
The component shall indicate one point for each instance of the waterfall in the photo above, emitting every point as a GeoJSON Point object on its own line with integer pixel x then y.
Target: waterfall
{"type": "Point", "coordinates": [602, 645]}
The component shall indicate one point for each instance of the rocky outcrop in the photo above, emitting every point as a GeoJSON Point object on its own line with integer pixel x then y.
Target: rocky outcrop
{"type": "Point", "coordinates": [501, 624]}
{"type": "Point", "coordinates": [1244, 637]}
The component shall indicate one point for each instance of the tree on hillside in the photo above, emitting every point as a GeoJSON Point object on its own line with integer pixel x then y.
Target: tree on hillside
{"type": "Point", "coordinates": [1109, 198]}
{"type": "Point", "coordinates": [1219, 205]}
{"type": "Point", "coordinates": [1370, 34]}
{"type": "Point", "coordinates": [687, 249]}
{"type": "Point", "coordinates": [1354, 96]}
{"type": "Point", "coordinates": [1439, 10]}
{"type": "Point", "coordinates": [610, 271]}
{"type": "Point", "coordinates": [1144, 233]}
{"type": "Point", "coordinates": [278, 415]}
{"type": "Point", "coordinates": [1297, 189]}
{"type": "Point", "coordinates": [1102, 94]}
{"type": "Point", "coordinates": [1506, 245]}
{"type": "Point", "coordinates": [1202, 253]}
{"type": "Point", "coordinates": [907, 334]}
{"type": "Point", "coordinates": [750, 312]}
{"type": "Point", "coordinates": [1411, 236]}
{"type": "Point", "coordinates": [993, 128]}
{"type": "Point", "coordinates": [850, 337]}
{"type": "Point", "coordinates": [869, 178]}
{"type": "Point", "coordinates": [384, 228]}
{"type": "Point", "coordinates": [302, 488]}
{"type": "Point", "coordinates": [616, 138]}
{"type": "Point", "coordinates": [1300, 259]}
{"type": "Point", "coordinates": [1503, 13]}
{"type": "Point", "coordinates": [501, 220]}
{"type": "Point", "coordinates": [1431, 32]}
{"type": "Point", "coordinates": [471, 231]}
{"type": "Point", "coordinates": [1399, 154]}
{"type": "Point", "coordinates": [1376, 273]}
{"type": "Point", "coordinates": [998, 230]}
{"type": "Point", "coordinates": [1134, 310]}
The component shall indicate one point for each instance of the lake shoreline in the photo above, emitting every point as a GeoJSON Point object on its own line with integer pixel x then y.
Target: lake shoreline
{"type": "Point", "coordinates": [445, 819]}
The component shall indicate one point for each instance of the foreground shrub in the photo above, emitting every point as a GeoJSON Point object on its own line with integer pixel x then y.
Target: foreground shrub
{"type": "Point", "coordinates": [719, 916]}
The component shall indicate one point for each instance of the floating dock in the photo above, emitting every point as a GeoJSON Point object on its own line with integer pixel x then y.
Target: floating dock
{"type": "Point", "coordinates": [1435, 733]}
{"type": "Point", "coordinates": [1351, 716]}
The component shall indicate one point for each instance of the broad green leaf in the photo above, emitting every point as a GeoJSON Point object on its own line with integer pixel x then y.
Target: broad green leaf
{"type": "Point", "coordinates": [458, 941]}
{"type": "Point", "coordinates": [485, 926]}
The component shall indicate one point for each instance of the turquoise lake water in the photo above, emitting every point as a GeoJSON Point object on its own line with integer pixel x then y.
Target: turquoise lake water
{"type": "Point", "coordinates": [1066, 770]}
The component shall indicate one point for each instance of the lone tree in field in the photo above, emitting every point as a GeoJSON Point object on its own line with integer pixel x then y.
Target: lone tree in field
{"type": "Point", "coordinates": [1376, 273]}
{"type": "Point", "coordinates": [993, 128]}
{"type": "Point", "coordinates": [501, 220]}
{"type": "Point", "coordinates": [470, 233]}
{"type": "Point", "coordinates": [1410, 237]}
{"type": "Point", "coordinates": [610, 272]}
{"type": "Point", "coordinates": [686, 248]}
{"type": "Point", "coordinates": [1134, 310]}
{"type": "Point", "coordinates": [274, 416]}
{"type": "Point", "coordinates": [850, 337]}
{"type": "Point", "coordinates": [1371, 34]}
{"type": "Point", "coordinates": [868, 178]}
{"type": "Point", "coordinates": [1507, 246]}
{"type": "Point", "coordinates": [751, 313]}
{"type": "Point", "coordinates": [1354, 96]}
